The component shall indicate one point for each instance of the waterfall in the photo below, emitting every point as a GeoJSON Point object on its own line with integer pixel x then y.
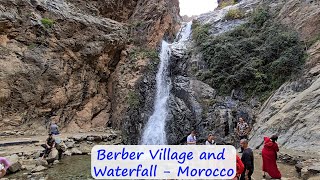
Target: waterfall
{"type": "Point", "coordinates": [154, 132]}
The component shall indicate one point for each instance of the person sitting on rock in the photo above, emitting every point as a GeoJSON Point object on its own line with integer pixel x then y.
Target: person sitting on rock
{"type": "Point", "coordinates": [191, 139]}
{"type": "Point", "coordinates": [4, 165]}
{"type": "Point", "coordinates": [210, 140]}
{"type": "Point", "coordinates": [269, 157]}
{"type": "Point", "coordinates": [50, 144]}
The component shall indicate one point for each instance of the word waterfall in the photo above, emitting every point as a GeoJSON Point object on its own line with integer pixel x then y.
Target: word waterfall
{"type": "Point", "coordinates": [162, 162]}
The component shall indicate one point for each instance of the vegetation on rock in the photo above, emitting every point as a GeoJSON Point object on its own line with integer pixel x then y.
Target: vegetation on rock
{"type": "Point", "coordinates": [234, 14]}
{"type": "Point", "coordinates": [46, 22]}
{"type": "Point", "coordinates": [256, 57]}
{"type": "Point", "coordinates": [133, 99]}
{"type": "Point", "coordinates": [200, 32]}
{"type": "Point", "coordinates": [226, 3]}
{"type": "Point", "coordinates": [143, 53]}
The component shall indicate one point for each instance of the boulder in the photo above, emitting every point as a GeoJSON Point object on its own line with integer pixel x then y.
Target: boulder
{"type": "Point", "coordinates": [56, 162]}
{"type": "Point", "coordinates": [38, 169]}
{"type": "Point", "coordinates": [67, 153]}
{"type": "Point", "coordinates": [15, 164]}
{"type": "Point", "coordinates": [79, 137]}
{"type": "Point", "coordinates": [70, 144]}
{"type": "Point", "coordinates": [41, 162]}
{"type": "Point", "coordinates": [85, 149]}
{"type": "Point", "coordinates": [53, 154]}
{"type": "Point", "coordinates": [90, 138]}
{"type": "Point", "coordinates": [308, 168]}
{"type": "Point", "coordinates": [75, 151]}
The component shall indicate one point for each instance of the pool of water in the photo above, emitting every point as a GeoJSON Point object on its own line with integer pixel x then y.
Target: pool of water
{"type": "Point", "coordinates": [69, 168]}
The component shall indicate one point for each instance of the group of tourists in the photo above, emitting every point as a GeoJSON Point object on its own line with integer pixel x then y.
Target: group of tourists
{"type": "Point", "coordinates": [245, 164]}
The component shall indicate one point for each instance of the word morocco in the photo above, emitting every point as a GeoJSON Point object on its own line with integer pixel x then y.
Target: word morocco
{"type": "Point", "coordinates": [162, 162]}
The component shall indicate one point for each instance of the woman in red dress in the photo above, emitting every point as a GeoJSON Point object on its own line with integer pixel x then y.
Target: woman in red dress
{"type": "Point", "coordinates": [269, 157]}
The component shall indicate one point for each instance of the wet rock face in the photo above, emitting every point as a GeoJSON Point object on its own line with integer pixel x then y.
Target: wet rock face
{"type": "Point", "coordinates": [137, 116]}
{"type": "Point", "coordinates": [63, 60]}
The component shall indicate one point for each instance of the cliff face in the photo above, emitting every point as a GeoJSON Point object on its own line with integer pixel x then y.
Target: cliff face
{"type": "Point", "coordinates": [293, 111]}
{"type": "Point", "coordinates": [68, 60]}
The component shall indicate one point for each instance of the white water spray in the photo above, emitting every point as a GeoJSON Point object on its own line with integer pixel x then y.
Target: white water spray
{"type": "Point", "coordinates": [154, 132]}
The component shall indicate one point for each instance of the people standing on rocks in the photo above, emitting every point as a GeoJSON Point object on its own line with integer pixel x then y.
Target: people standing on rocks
{"type": "Point", "coordinates": [269, 157]}
{"type": "Point", "coordinates": [210, 140]}
{"type": "Point", "coordinates": [4, 165]}
{"type": "Point", "coordinates": [50, 144]}
{"type": "Point", "coordinates": [247, 159]}
{"type": "Point", "coordinates": [242, 130]}
{"type": "Point", "coordinates": [191, 139]}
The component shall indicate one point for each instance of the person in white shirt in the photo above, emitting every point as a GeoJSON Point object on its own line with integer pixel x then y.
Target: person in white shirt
{"type": "Point", "coordinates": [210, 140]}
{"type": "Point", "coordinates": [191, 139]}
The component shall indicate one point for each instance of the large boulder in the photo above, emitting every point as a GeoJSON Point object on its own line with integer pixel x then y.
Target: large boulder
{"type": "Point", "coordinates": [15, 165]}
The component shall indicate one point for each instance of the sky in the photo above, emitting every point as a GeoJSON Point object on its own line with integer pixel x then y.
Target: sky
{"type": "Point", "coordinates": [196, 7]}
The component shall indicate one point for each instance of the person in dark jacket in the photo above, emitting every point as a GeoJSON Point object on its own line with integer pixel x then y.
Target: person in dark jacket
{"type": "Point", "coordinates": [247, 159]}
{"type": "Point", "coordinates": [50, 144]}
{"type": "Point", "coordinates": [269, 157]}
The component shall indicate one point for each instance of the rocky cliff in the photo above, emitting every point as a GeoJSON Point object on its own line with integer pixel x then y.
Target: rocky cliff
{"type": "Point", "coordinates": [70, 61]}
{"type": "Point", "coordinates": [292, 111]}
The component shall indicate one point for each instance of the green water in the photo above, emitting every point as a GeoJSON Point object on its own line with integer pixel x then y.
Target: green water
{"type": "Point", "coordinates": [74, 167]}
{"type": "Point", "coordinates": [69, 168]}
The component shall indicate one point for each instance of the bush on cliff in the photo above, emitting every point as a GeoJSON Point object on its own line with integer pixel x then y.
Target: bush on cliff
{"type": "Point", "coordinates": [234, 14]}
{"type": "Point", "coordinates": [200, 32]}
{"type": "Point", "coordinates": [46, 22]}
{"type": "Point", "coordinates": [256, 57]}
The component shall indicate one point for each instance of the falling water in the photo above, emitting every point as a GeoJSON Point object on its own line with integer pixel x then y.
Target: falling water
{"type": "Point", "coordinates": [154, 132]}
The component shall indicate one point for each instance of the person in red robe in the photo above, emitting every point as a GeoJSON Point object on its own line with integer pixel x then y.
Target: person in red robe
{"type": "Point", "coordinates": [269, 157]}
{"type": "Point", "coordinates": [239, 168]}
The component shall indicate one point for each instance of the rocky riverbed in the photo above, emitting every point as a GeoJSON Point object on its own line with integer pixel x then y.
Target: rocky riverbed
{"type": "Point", "coordinates": [26, 162]}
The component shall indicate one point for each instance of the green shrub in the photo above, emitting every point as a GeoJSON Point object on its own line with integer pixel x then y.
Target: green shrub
{"type": "Point", "coordinates": [144, 53]}
{"type": "Point", "coordinates": [256, 57]}
{"type": "Point", "coordinates": [200, 32]}
{"type": "Point", "coordinates": [133, 99]}
{"type": "Point", "coordinates": [46, 22]}
{"type": "Point", "coordinates": [234, 14]}
{"type": "Point", "coordinates": [227, 3]}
